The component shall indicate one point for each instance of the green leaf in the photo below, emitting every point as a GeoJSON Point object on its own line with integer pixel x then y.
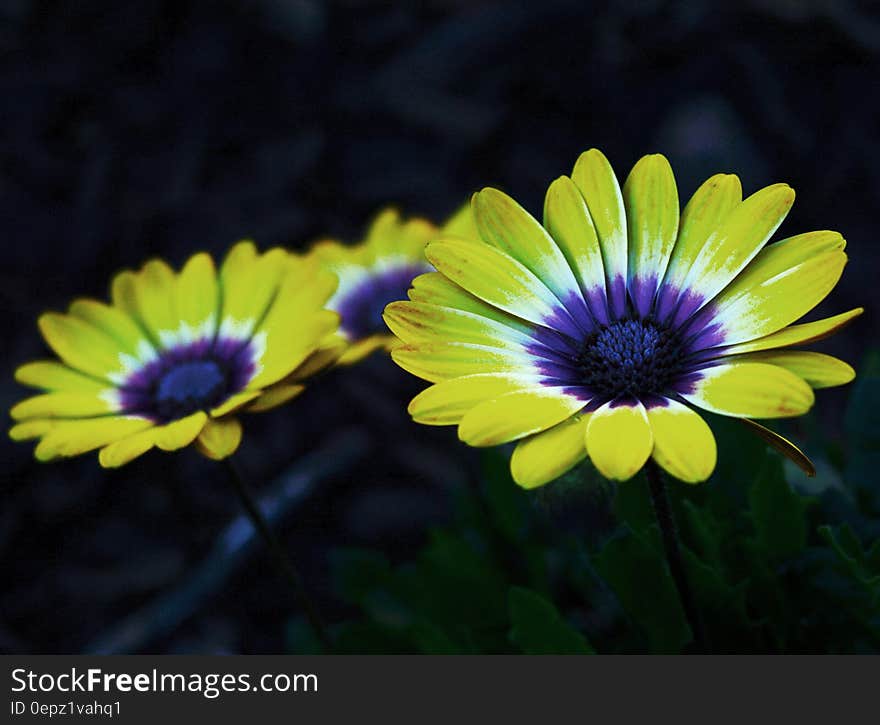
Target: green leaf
{"type": "Point", "coordinates": [538, 628]}
{"type": "Point", "coordinates": [862, 566]}
{"type": "Point", "coordinates": [778, 512]}
{"type": "Point", "coordinates": [507, 502]}
{"type": "Point", "coordinates": [632, 504]}
{"type": "Point", "coordinates": [638, 575]}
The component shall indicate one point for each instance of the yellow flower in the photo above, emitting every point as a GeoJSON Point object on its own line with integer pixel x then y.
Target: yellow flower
{"type": "Point", "coordinates": [597, 332]}
{"type": "Point", "coordinates": [375, 272]}
{"type": "Point", "coordinates": [175, 356]}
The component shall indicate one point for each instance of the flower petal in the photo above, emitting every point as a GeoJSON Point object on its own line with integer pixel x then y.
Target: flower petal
{"type": "Point", "coordinates": [764, 299]}
{"type": "Point", "coordinates": [274, 396]}
{"type": "Point", "coordinates": [116, 324]}
{"type": "Point", "coordinates": [121, 452]}
{"type": "Point", "coordinates": [180, 433]}
{"type": "Point", "coordinates": [650, 197]}
{"type": "Point", "coordinates": [357, 351]}
{"type": "Point", "coordinates": [440, 361]}
{"type": "Point", "coordinates": [516, 415]}
{"type": "Point", "coordinates": [219, 438]}
{"type": "Point", "coordinates": [683, 443]}
{"type": "Point", "coordinates": [446, 402]}
{"type": "Point", "coordinates": [63, 404]}
{"type": "Point", "coordinates": [73, 437]}
{"type": "Point", "coordinates": [595, 178]}
{"type": "Point", "coordinates": [818, 369]}
{"type": "Point", "coordinates": [782, 445]}
{"type": "Point", "coordinates": [734, 244]}
{"type": "Point", "coordinates": [751, 390]}
{"type": "Point", "coordinates": [53, 375]}
{"type": "Point", "coordinates": [416, 322]}
{"type": "Point", "coordinates": [198, 294]}
{"type": "Point", "coordinates": [82, 346]}
{"type": "Point", "coordinates": [249, 283]}
{"type": "Point", "coordinates": [148, 296]}
{"type": "Point", "coordinates": [544, 457]}
{"type": "Point", "coordinates": [568, 220]}
{"type": "Point", "coordinates": [500, 280]}
{"type": "Point", "coordinates": [619, 439]}
{"type": "Point", "coordinates": [797, 334]}
{"type": "Point", "coordinates": [433, 288]}
{"type": "Point", "coordinates": [506, 225]}
{"type": "Point", "coordinates": [704, 214]}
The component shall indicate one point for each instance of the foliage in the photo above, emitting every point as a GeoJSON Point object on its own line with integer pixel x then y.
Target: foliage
{"type": "Point", "coordinates": [778, 563]}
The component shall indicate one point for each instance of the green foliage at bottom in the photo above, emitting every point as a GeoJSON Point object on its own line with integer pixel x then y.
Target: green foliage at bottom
{"type": "Point", "coordinates": [777, 562]}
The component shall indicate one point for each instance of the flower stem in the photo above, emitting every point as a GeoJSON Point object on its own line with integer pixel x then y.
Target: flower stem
{"type": "Point", "coordinates": [663, 513]}
{"type": "Point", "coordinates": [283, 562]}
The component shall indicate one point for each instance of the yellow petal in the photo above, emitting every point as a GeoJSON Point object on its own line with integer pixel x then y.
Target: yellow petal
{"type": "Point", "coordinates": [440, 361]}
{"type": "Point", "coordinates": [73, 437]}
{"type": "Point", "coordinates": [34, 428]}
{"type": "Point", "coordinates": [544, 457]}
{"type": "Point", "coordinates": [797, 334]}
{"type": "Point", "coordinates": [733, 245]}
{"type": "Point", "coordinates": [53, 375]}
{"type": "Point", "coordinates": [461, 223]}
{"type": "Point", "coordinates": [415, 322]}
{"type": "Point", "coordinates": [704, 214]}
{"type": "Point", "coordinates": [116, 324]}
{"type": "Point", "coordinates": [516, 415]}
{"type": "Point", "coordinates": [433, 288]}
{"type": "Point", "coordinates": [650, 197]}
{"type": "Point", "coordinates": [763, 300]}
{"type": "Point", "coordinates": [818, 369]}
{"type": "Point", "coordinates": [446, 402]}
{"type": "Point", "coordinates": [234, 402]}
{"type": "Point", "coordinates": [359, 350]}
{"type": "Point", "coordinates": [751, 390]}
{"type": "Point", "coordinates": [683, 443]}
{"type": "Point", "coordinates": [595, 178]}
{"type": "Point", "coordinates": [82, 346]}
{"type": "Point", "coordinates": [568, 220]}
{"type": "Point", "coordinates": [66, 405]}
{"type": "Point", "coordinates": [121, 452]}
{"type": "Point", "coordinates": [274, 396]}
{"type": "Point", "coordinates": [619, 440]}
{"type": "Point", "coordinates": [180, 433]}
{"type": "Point", "coordinates": [198, 294]}
{"type": "Point", "coordinates": [219, 438]}
{"type": "Point", "coordinates": [498, 279]}
{"type": "Point", "coordinates": [503, 223]}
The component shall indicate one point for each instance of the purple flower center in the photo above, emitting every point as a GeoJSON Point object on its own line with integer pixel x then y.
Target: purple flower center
{"type": "Point", "coordinates": [631, 358]}
{"type": "Point", "coordinates": [189, 387]}
{"type": "Point", "coordinates": [360, 309]}
{"type": "Point", "coordinates": [188, 377]}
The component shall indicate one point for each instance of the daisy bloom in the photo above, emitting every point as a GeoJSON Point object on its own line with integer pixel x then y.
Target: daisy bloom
{"type": "Point", "coordinates": [378, 270]}
{"type": "Point", "coordinates": [597, 333]}
{"type": "Point", "coordinates": [176, 356]}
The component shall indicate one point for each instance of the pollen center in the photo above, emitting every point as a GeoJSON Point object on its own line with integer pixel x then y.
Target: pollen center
{"type": "Point", "coordinates": [631, 358]}
{"type": "Point", "coordinates": [188, 387]}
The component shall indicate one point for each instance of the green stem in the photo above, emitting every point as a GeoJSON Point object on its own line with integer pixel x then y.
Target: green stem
{"type": "Point", "coordinates": [669, 533]}
{"type": "Point", "coordinates": [283, 561]}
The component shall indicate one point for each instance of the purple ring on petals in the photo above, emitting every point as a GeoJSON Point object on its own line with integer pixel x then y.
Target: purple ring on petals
{"type": "Point", "coordinates": [189, 377]}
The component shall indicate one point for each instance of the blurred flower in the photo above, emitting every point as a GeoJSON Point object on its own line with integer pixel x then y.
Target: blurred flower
{"type": "Point", "coordinates": [594, 333]}
{"type": "Point", "coordinates": [377, 271]}
{"type": "Point", "coordinates": [175, 356]}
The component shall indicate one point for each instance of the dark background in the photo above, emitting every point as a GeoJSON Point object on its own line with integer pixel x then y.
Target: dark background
{"type": "Point", "coordinates": [132, 129]}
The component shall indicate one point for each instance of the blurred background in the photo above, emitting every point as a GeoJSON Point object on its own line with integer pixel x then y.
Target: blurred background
{"type": "Point", "coordinates": [165, 127]}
